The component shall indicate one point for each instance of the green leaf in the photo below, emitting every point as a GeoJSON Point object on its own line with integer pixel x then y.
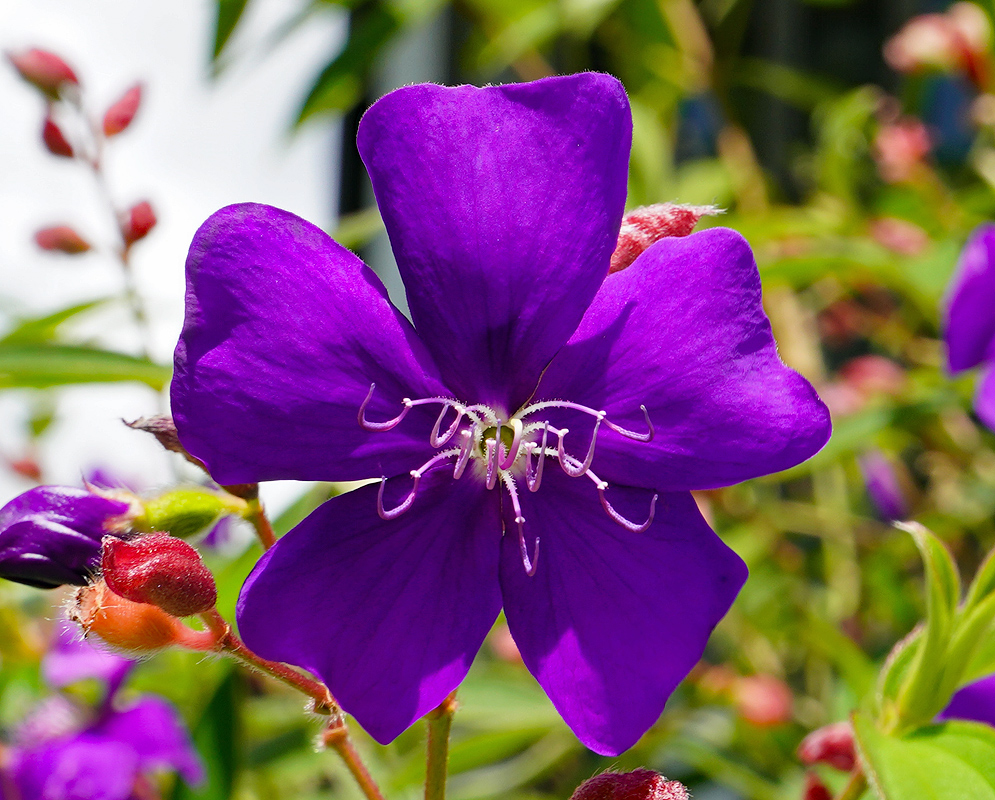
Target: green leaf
{"type": "Point", "coordinates": [39, 366]}
{"type": "Point", "coordinates": [340, 84]}
{"type": "Point", "coordinates": [37, 330]}
{"type": "Point", "coordinates": [217, 737]}
{"type": "Point", "coordinates": [953, 761]}
{"type": "Point", "coordinates": [227, 15]}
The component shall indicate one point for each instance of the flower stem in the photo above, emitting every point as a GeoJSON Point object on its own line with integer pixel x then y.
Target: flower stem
{"type": "Point", "coordinates": [264, 530]}
{"type": "Point", "coordinates": [440, 720]}
{"type": "Point", "coordinates": [336, 736]}
{"type": "Point", "coordinates": [855, 786]}
{"type": "Point", "coordinates": [227, 642]}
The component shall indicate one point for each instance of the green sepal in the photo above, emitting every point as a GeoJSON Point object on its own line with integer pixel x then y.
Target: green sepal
{"type": "Point", "coordinates": [187, 511]}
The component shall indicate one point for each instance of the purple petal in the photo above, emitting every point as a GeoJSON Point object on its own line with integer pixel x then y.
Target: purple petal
{"type": "Point", "coordinates": [156, 734]}
{"type": "Point", "coordinates": [975, 702]}
{"type": "Point", "coordinates": [503, 206]}
{"type": "Point", "coordinates": [882, 486]}
{"type": "Point", "coordinates": [984, 398]}
{"type": "Point", "coordinates": [683, 332]}
{"type": "Point", "coordinates": [285, 332]}
{"type": "Point", "coordinates": [78, 768]}
{"type": "Point", "coordinates": [388, 613]}
{"type": "Point", "coordinates": [73, 658]}
{"type": "Point", "coordinates": [969, 324]}
{"type": "Point", "coordinates": [613, 620]}
{"type": "Point", "coordinates": [50, 535]}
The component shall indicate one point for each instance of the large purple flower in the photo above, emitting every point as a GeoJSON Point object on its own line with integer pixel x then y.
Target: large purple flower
{"type": "Point", "coordinates": [535, 397]}
{"type": "Point", "coordinates": [969, 322]}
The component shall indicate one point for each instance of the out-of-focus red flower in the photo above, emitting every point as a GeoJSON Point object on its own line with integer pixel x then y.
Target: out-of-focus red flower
{"type": "Point", "coordinates": [763, 700]}
{"type": "Point", "coordinates": [832, 745]}
{"type": "Point", "coordinates": [62, 239]}
{"type": "Point", "coordinates": [122, 112]}
{"type": "Point", "coordinates": [899, 236]}
{"type": "Point", "coordinates": [955, 40]}
{"type": "Point", "coordinates": [815, 789]}
{"type": "Point", "coordinates": [872, 374]}
{"type": "Point", "coordinates": [43, 70]}
{"type": "Point", "coordinates": [54, 140]}
{"type": "Point", "coordinates": [900, 149]}
{"type": "Point", "coordinates": [138, 221]}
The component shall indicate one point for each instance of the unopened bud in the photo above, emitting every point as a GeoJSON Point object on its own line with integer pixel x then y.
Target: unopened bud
{"type": "Point", "coordinates": [138, 221]}
{"type": "Point", "coordinates": [160, 570]}
{"type": "Point", "coordinates": [45, 71]}
{"type": "Point", "coordinates": [54, 140]}
{"type": "Point", "coordinates": [763, 700]}
{"type": "Point", "coordinates": [187, 511]}
{"type": "Point", "coordinates": [832, 745]}
{"type": "Point", "coordinates": [62, 239]}
{"type": "Point", "coordinates": [815, 789]}
{"type": "Point", "coordinates": [641, 784]}
{"type": "Point", "coordinates": [132, 627]}
{"type": "Point", "coordinates": [649, 224]}
{"type": "Point", "coordinates": [122, 112]}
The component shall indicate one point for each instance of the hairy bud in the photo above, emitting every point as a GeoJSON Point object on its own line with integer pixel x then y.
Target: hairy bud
{"type": "Point", "coordinates": [641, 784]}
{"type": "Point", "coordinates": [62, 239]}
{"type": "Point", "coordinates": [54, 140]}
{"type": "Point", "coordinates": [832, 745]}
{"type": "Point", "coordinates": [122, 112]}
{"type": "Point", "coordinates": [137, 222]}
{"type": "Point", "coordinates": [160, 570]}
{"type": "Point", "coordinates": [649, 224]}
{"type": "Point", "coordinates": [45, 71]}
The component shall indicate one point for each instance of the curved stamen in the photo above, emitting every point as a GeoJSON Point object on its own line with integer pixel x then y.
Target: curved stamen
{"type": "Point", "coordinates": [530, 564]}
{"type": "Point", "coordinates": [516, 442]}
{"type": "Point", "coordinates": [639, 437]}
{"type": "Point", "coordinates": [438, 441]}
{"type": "Point", "coordinates": [395, 512]}
{"type": "Point", "coordinates": [491, 457]}
{"type": "Point", "coordinates": [466, 445]}
{"type": "Point", "coordinates": [618, 518]}
{"type": "Point", "coordinates": [365, 424]}
{"type": "Point", "coordinates": [585, 465]}
{"type": "Point", "coordinates": [533, 477]}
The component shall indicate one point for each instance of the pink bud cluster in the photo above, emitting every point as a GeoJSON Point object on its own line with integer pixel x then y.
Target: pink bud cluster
{"type": "Point", "coordinates": [640, 784]}
{"type": "Point", "coordinates": [649, 224]}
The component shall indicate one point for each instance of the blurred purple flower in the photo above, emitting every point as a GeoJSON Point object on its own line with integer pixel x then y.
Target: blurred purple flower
{"type": "Point", "coordinates": [969, 322]}
{"type": "Point", "coordinates": [503, 207]}
{"type": "Point", "coordinates": [50, 535]}
{"type": "Point", "coordinates": [974, 702]}
{"type": "Point", "coordinates": [883, 487]}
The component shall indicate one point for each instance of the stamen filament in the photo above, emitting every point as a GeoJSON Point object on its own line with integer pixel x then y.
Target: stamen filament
{"type": "Point", "coordinates": [365, 424]}
{"type": "Point", "coordinates": [516, 442]}
{"type": "Point", "coordinates": [601, 415]}
{"type": "Point", "coordinates": [614, 515]}
{"type": "Point", "coordinates": [466, 445]}
{"type": "Point", "coordinates": [530, 564]}
{"type": "Point", "coordinates": [416, 474]}
{"type": "Point", "coordinates": [585, 465]}
{"type": "Point", "coordinates": [491, 456]}
{"type": "Point", "coordinates": [533, 477]}
{"type": "Point", "coordinates": [438, 441]}
{"type": "Point", "coordinates": [639, 437]}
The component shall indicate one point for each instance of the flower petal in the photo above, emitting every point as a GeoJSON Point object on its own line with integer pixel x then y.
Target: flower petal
{"type": "Point", "coordinates": [984, 398]}
{"type": "Point", "coordinates": [77, 768]}
{"type": "Point", "coordinates": [969, 325]}
{"type": "Point", "coordinates": [285, 331]}
{"type": "Point", "coordinates": [503, 206]}
{"type": "Point", "coordinates": [683, 332]}
{"type": "Point", "coordinates": [974, 702]}
{"type": "Point", "coordinates": [612, 620]}
{"type": "Point", "coordinates": [388, 613]}
{"type": "Point", "coordinates": [73, 658]}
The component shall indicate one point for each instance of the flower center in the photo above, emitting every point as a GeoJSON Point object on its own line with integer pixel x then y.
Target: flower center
{"type": "Point", "coordinates": [507, 450]}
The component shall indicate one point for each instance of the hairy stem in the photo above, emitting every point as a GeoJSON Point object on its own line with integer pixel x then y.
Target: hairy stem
{"type": "Point", "coordinates": [264, 530]}
{"type": "Point", "coordinates": [440, 721]}
{"type": "Point", "coordinates": [336, 736]}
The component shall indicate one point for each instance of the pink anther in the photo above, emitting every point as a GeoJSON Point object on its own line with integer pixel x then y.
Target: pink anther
{"type": "Point", "coordinates": [438, 441]}
{"type": "Point", "coordinates": [516, 442]}
{"type": "Point", "coordinates": [639, 437]}
{"type": "Point", "coordinates": [365, 424]}
{"type": "Point", "coordinates": [616, 517]}
{"type": "Point", "coordinates": [394, 513]}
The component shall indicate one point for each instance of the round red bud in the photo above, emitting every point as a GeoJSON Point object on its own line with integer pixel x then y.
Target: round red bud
{"type": "Point", "coordinates": [55, 141]}
{"type": "Point", "coordinates": [160, 570]}
{"type": "Point", "coordinates": [62, 239]}
{"type": "Point", "coordinates": [122, 112]}
{"type": "Point", "coordinates": [640, 784]}
{"type": "Point", "coordinates": [43, 70]}
{"type": "Point", "coordinates": [139, 220]}
{"type": "Point", "coordinates": [832, 745]}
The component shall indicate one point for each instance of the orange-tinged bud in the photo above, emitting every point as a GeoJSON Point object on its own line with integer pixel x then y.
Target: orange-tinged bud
{"type": "Point", "coordinates": [62, 239]}
{"type": "Point", "coordinates": [649, 224]}
{"type": "Point", "coordinates": [54, 140]}
{"type": "Point", "coordinates": [640, 784]}
{"type": "Point", "coordinates": [130, 626]}
{"type": "Point", "coordinates": [138, 221]}
{"type": "Point", "coordinates": [45, 71]}
{"type": "Point", "coordinates": [122, 112]}
{"type": "Point", "coordinates": [161, 570]}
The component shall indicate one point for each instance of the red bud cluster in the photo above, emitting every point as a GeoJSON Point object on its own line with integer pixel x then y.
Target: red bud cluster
{"type": "Point", "coordinates": [160, 570]}
{"type": "Point", "coordinates": [122, 112]}
{"type": "Point", "coordinates": [138, 221]}
{"type": "Point", "coordinates": [62, 239]}
{"type": "Point", "coordinates": [45, 71]}
{"type": "Point", "coordinates": [649, 224]}
{"type": "Point", "coordinates": [641, 784]}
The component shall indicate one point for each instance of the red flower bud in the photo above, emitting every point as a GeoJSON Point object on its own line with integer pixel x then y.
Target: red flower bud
{"type": "Point", "coordinates": [45, 71]}
{"type": "Point", "coordinates": [139, 220]}
{"type": "Point", "coordinates": [763, 700]}
{"type": "Point", "coordinates": [160, 570]}
{"type": "Point", "coordinates": [832, 745]}
{"type": "Point", "coordinates": [815, 789]}
{"type": "Point", "coordinates": [63, 239]}
{"type": "Point", "coordinates": [121, 113]}
{"type": "Point", "coordinates": [649, 224]}
{"type": "Point", "coordinates": [641, 784]}
{"type": "Point", "coordinates": [54, 140]}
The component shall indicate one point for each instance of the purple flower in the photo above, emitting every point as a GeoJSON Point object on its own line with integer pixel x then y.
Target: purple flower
{"type": "Point", "coordinates": [503, 207]}
{"type": "Point", "coordinates": [974, 702]}
{"type": "Point", "coordinates": [882, 486]}
{"type": "Point", "coordinates": [969, 323]}
{"type": "Point", "coordinates": [50, 535]}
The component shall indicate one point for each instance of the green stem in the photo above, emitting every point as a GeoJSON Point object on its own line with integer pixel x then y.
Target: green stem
{"type": "Point", "coordinates": [855, 787]}
{"type": "Point", "coordinates": [440, 721]}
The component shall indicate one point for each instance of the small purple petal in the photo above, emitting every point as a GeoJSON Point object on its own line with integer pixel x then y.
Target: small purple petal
{"type": "Point", "coordinates": [285, 332]}
{"type": "Point", "coordinates": [388, 613]}
{"type": "Point", "coordinates": [50, 535]}
{"type": "Point", "coordinates": [984, 398]}
{"type": "Point", "coordinates": [975, 702]}
{"type": "Point", "coordinates": [154, 731]}
{"type": "Point", "coordinates": [503, 206]}
{"type": "Point", "coordinates": [969, 324]}
{"type": "Point", "coordinates": [883, 487]}
{"type": "Point", "coordinates": [73, 658]}
{"type": "Point", "coordinates": [683, 332]}
{"type": "Point", "coordinates": [612, 620]}
{"type": "Point", "coordinates": [77, 768]}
